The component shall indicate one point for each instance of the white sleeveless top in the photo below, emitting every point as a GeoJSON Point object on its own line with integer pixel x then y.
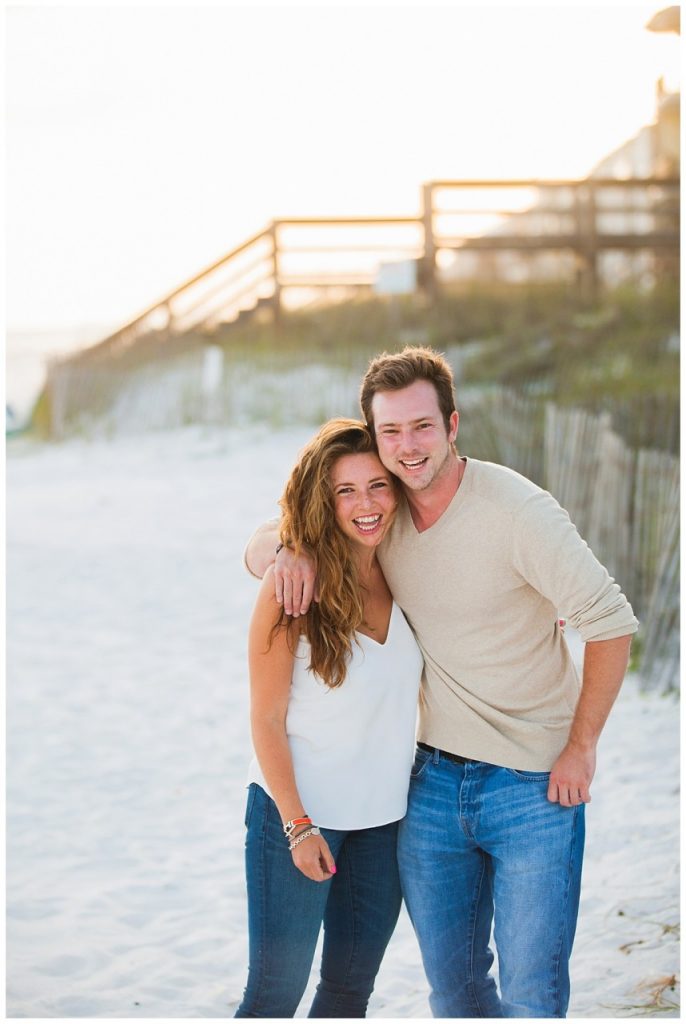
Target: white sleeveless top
{"type": "Point", "coordinates": [353, 746]}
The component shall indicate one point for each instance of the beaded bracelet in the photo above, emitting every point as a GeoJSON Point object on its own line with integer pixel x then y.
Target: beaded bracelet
{"type": "Point", "coordinates": [314, 831]}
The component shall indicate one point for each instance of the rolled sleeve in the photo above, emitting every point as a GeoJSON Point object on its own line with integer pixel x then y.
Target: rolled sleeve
{"type": "Point", "coordinates": [245, 562]}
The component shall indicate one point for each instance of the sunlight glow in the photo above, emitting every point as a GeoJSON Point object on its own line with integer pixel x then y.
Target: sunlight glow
{"type": "Point", "coordinates": [144, 142]}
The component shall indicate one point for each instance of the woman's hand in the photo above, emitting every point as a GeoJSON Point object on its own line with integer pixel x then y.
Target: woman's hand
{"type": "Point", "coordinates": [313, 858]}
{"type": "Point", "coordinates": [295, 581]}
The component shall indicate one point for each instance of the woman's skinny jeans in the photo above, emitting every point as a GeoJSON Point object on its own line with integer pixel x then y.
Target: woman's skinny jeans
{"type": "Point", "coordinates": [359, 908]}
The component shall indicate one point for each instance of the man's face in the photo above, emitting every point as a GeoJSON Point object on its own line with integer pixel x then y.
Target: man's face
{"type": "Point", "coordinates": [411, 435]}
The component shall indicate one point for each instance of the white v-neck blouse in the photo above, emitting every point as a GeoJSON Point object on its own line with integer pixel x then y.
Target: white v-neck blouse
{"type": "Point", "coordinates": [353, 746]}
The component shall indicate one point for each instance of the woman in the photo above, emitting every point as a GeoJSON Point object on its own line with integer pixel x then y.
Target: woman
{"type": "Point", "coordinates": [333, 706]}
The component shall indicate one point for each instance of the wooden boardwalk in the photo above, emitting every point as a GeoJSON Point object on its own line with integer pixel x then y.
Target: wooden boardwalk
{"type": "Point", "coordinates": [469, 229]}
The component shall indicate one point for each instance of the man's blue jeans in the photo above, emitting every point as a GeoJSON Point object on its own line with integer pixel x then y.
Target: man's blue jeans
{"type": "Point", "coordinates": [481, 842]}
{"type": "Point", "coordinates": [359, 907]}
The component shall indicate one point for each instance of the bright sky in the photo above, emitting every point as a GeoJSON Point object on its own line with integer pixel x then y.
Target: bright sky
{"type": "Point", "coordinates": [144, 142]}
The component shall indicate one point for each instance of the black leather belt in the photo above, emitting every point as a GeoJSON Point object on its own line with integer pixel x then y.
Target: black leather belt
{"type": "Point", "coordinates": [446, 754]}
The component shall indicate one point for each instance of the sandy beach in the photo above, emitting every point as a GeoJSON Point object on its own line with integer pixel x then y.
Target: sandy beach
{"type": "Point", "coordinates": [128, 743]}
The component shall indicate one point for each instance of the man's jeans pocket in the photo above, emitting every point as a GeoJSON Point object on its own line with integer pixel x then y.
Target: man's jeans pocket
{"type": "Point", "coordinates": [526, 776]}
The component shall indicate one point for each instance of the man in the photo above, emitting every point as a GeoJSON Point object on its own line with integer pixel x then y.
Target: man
{"type": "Point", "coordinates": [482, 561]}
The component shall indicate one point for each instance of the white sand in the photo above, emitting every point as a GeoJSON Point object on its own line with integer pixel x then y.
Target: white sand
{"type": "Point", "coordinates": [128, 743]}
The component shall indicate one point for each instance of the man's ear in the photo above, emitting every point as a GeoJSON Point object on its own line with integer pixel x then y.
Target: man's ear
{"type": "Point", "coordinates": [454, 421]}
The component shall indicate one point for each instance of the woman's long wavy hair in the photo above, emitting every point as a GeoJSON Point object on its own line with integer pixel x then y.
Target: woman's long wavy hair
{"type": "Point", "coordinates": [308, 518]}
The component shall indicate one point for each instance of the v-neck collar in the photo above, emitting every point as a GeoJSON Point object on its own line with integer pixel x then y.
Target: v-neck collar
{"type": "Point", "coordinates": [366, 636]}
{"type": "Point", "coordinates": [454, 503]}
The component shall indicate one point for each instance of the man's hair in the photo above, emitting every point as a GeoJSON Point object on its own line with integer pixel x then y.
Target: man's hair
{"type": "Point", "coordinates": [397, 370]}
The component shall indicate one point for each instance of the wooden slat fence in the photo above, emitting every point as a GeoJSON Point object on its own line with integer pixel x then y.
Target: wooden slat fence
{"type": "Point", "coordinates": [625, 503]}
{"type": "Point", "coordinates": [609, 525]}
{"type": "Point", "coordinates": [503, 426]}
{"type": "Point", "coordinates": [660, 661]}
{"type": "Point", "coordinates": [572, 459]}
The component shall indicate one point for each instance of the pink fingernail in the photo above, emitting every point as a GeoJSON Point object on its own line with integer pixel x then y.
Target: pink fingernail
{"type": "Point", "coordinates": [333, 869]}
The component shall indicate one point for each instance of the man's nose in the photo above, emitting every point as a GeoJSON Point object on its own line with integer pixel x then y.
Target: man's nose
{"type": "Point", "coordinates": [407, 441]}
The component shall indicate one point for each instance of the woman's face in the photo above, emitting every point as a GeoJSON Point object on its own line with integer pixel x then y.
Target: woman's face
{"type": "Point", "coordinates": [364, 498]}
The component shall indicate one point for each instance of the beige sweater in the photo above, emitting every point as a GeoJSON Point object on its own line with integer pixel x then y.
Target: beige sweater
{"type": "Point", "coordinates": [483, 589]}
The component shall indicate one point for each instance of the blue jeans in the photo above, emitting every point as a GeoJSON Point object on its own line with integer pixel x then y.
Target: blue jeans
{"type": "Point", "coordinates": [359, 907]}
{"type": "Point", "coordinates": [481, 842]}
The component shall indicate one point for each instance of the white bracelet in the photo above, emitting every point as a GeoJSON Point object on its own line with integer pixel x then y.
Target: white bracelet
{"type": "Point", "coordinates": [314, 831]}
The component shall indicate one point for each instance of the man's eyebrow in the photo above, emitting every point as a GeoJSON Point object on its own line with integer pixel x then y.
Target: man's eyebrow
{"type": "Point", "coordinates": [417, 419]}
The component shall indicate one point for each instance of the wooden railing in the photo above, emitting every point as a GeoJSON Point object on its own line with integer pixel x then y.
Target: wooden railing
{"type": "Point", "coordinates": [493, 229]}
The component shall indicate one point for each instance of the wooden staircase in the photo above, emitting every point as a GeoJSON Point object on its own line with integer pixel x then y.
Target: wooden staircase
{"type": "Point", "coordinates": [573, 219]}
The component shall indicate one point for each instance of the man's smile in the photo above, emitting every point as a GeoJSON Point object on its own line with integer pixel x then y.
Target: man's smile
{"type": "Point", "coordinates": [413, 464]}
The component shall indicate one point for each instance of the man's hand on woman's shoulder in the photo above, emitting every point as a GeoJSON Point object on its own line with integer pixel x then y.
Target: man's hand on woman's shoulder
{"type": "Point", "coordinates": [295, 579]}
